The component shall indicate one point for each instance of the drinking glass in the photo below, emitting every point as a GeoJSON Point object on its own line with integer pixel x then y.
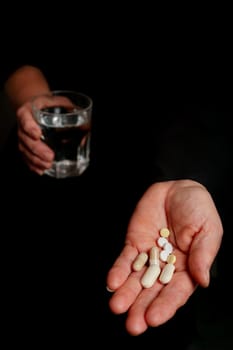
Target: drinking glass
{"type": "Point", "coordinates": [65, 120]}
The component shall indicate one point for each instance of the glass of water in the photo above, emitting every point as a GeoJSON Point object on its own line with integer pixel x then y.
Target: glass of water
{"type": "Point", "coordinates": [65, 121]}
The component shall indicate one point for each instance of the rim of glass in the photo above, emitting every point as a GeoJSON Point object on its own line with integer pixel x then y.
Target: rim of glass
{"type": "Point", "coordinates": [59, 93]}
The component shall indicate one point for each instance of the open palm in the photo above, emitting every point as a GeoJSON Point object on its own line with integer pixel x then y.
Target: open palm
{"type": "Point", "coordinates": [188, 210]}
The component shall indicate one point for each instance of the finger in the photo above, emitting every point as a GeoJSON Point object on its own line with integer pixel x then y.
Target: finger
{"type": "Point", "coordinates": [35, 169]}
{"type": "Point", "coordinates": [136, 322]}
{"type": "Point", "coordinates": [121, 268]}
{"type": "Point", "coordinates": [126, 295]}
{"type": "Point", "coordinates": [45, 101]}
{"type": "Point", "coordinates": [203, 252]}
{"type": "Point", "coordinates": [28, 124]}
{"type": "Point", "coordinates": [35, 147]}
{"type": "Point", "coordinates": [33, 159]}
{"type": "Point", "coordinates": [158, 304]}
{"type": "Point", "coordinates": [171, 297]}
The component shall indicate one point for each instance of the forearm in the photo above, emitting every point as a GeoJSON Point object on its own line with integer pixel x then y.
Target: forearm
{"type": "Point", "coordinates": [24, 83]}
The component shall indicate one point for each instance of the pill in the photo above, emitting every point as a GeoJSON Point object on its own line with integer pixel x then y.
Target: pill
{"type": "Point", "coordinates": [154, 256]}
{"type": "Point", "coordinates": [140, 261]}
{"type": "Point", "coordinates": [162, 241]}
{"type": "Point", "coordinates": [167, 273]}
{"type": "Point", "coordinates": [150, 276]}
{"type": "Point", "coordinates": [168, 247]}
{"type": "Point", "coordinates": [164, 232]}
{"type": "Point", "coordinates": [164, 255]}
{"type": "Point", "coordinates": [171, 259]}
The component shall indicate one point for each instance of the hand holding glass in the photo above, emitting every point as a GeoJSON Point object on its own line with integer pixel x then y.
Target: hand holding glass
{"type": "Point", "coordinates": [65, 121]}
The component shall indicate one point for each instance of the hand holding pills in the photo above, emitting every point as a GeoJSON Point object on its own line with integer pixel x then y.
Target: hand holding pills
{"type": "Point", "coordinates": [175, 232]}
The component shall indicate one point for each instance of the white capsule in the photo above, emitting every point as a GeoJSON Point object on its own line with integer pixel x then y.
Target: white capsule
{"type": "Point", "coordinates": [154, 256]}
{"type": "Point", "coordinates": [150, 276]}
{"type": "Point", "coordinates": [167, 273]}
{"type": "Point", "coordinates": [140, 261]}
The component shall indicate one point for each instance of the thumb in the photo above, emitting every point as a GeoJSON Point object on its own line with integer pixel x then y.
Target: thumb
{"type": "Point", "coordinates": [203, 252]}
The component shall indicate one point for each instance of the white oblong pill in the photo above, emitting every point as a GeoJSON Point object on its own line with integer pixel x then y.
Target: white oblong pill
{"type": "Point", "coordinates": [150, 276]}
{"type": "Point", "coordinates": [154, 256]}
{"type": "Point", "coordinates": [167, 273]}
{"type": "Point", "coordinates": [140, 261]}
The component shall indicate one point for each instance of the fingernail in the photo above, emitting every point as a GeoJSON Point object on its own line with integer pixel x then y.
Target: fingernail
{"type": "Point", "coordinates": [40, 172]}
